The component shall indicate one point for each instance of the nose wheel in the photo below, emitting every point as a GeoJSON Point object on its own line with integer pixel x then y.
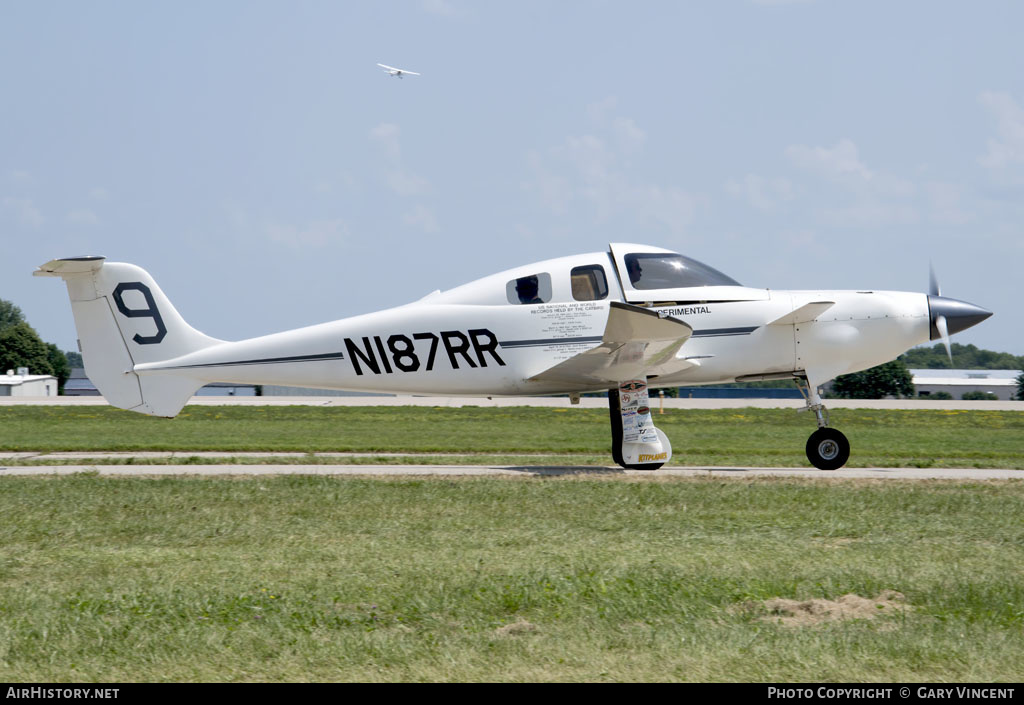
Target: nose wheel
{"type": "Point", "coordinates": [828, 449]}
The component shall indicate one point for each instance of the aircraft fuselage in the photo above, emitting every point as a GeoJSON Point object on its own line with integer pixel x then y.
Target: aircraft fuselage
{"type": "Point", "coordinates": [442, 345]}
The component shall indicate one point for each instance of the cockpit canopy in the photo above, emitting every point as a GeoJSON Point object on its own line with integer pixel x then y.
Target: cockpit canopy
{"type": "Point", "coordinates": [635, 273]}
{"type": "Point", "coordinates": [662, 270]}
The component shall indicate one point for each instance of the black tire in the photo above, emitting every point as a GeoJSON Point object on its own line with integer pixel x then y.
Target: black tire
{"type": "Point", "coordinates": [615, 417]}
{"type": "Point", "coordinates": [828, 449]}
{"type": "Point", "coordinates": [645, 466]}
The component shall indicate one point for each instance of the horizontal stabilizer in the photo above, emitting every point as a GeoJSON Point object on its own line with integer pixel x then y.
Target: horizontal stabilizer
{"type": "Point", "coordinates": [804, 314]}
{"type": "Point", "coordinates": [69, 265]}
{"type": "Point", "coordinates": [637, 343]}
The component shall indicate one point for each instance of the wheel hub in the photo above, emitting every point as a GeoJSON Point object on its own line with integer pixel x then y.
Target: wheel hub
{"type": "Point", "coordinates": [828, 449]}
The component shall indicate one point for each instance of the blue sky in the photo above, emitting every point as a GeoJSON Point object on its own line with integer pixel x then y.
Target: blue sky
{"type": "Point", "coordinates": [256, 161]}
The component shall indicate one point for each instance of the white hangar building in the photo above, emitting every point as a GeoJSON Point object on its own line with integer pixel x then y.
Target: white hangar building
{"type": "Point", "coordinates": [22, 384]}
{"type": "Point", "coordinates": [1002, 383]}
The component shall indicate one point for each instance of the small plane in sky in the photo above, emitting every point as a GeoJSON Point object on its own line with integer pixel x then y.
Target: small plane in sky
{"type": "Point", "coordinates": [392, 71]}
{"type": "Point", "coordinates": [623, 321]}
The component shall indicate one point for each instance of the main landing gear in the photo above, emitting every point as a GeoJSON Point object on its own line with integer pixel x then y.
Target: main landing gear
{"type": "Point", "coordinates": [827, 448]}
{"type": "Point", "coordinates": [636, 443]}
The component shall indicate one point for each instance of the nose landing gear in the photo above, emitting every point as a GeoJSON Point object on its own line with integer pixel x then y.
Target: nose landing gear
{"type": "Point", "coordinates": [827, 448]}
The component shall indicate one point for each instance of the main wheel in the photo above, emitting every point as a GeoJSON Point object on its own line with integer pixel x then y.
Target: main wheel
{"type": "Point", "coordinates": [615, 416]}
{"type": "Point", "coordinates": [828, 449]}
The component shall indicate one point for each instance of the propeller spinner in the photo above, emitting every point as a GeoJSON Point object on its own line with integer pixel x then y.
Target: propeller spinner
{"type": "Point", "coordinates": [950, 316]}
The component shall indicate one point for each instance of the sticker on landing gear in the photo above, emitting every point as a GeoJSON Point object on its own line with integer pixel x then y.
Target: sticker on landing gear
{"type": "Point", "coordinates": [630, 427]}
{"type": "Point", "coordinates": [652, 457]}
{"type": "Point", "coordinates": [637, 426]}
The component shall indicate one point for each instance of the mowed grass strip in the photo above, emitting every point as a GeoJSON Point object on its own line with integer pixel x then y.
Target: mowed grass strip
{"type": "Point", "coordinates": [498, 579]}
{"type": "Point", "coordinates": [723, 437]}
{"type": "Point", "coordinates": [567, 460]}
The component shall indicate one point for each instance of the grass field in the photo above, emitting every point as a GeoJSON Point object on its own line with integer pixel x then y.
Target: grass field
{"type": "Point", "coordinates": [302, 578]}
{"type": "Point", "coordinates": [497, 579]}
{"type": "Point", "coordinates": [725, 437]}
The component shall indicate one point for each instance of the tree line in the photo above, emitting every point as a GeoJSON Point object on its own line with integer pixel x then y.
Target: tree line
{"type": "Point", "coordinates": [21, 346]}
{"type": "Point", "coordinates": [893, 379]}
{"type": "Point", "coordinates": [965, 357]}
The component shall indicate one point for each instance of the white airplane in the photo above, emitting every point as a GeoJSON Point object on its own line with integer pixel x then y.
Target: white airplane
{"type": "Point", "coordinates": [625, 320]}
{"type": "Point", "coordinates": [392, 71]}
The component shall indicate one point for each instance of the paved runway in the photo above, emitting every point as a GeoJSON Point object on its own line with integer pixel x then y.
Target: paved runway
{"type": "Point", "coordinates": [585, 402]}
{"type": "Point", "coordinates": [958, 474]}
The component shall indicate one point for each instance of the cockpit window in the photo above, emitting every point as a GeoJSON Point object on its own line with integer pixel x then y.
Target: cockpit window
{"type": "Point", "coordinates": [588, 283]}
{"type": "Point", "coordinates": [669, 271]}
{"type": "Point", "coordinates": [533, 289]}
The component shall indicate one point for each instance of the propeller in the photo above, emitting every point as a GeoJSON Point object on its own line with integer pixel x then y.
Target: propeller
{"type": "Point", "coordinates": [940, 320]}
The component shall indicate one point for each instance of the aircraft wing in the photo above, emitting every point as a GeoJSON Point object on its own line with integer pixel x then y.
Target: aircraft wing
{"type": "Point", "coordinates": [637, 343]}
{"type": "Point", "coordinates": [392, 68]}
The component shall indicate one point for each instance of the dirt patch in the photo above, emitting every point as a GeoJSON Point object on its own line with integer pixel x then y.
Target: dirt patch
{"type": "Point", "coordinates": [807, 613]}
{"type": "Point", "coordinates": [838, 542]}
{"type": "Point", "coordinates": [516, 628]}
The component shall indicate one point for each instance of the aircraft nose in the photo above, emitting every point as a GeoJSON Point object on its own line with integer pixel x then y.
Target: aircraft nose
{"type": "Point", "coordinates": [959, 315]}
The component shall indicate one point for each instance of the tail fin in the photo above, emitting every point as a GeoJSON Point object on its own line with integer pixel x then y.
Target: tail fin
{"type": "Point", "coordinates": [124, 319]}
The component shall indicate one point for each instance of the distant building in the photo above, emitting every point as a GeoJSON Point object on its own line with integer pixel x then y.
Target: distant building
{"type": "Point", "coordinates": [1002, 383]}
{"type": "Point", "coordinates": [271, 390]}
{"type": "Point", "coordinates": [78, 385]}
{"type": "Point", "coordinates": [225, 389]}
{"type": "Point", "coordinates": [737, 393]}
{"type": "Point", "coordinates": [22, 384]}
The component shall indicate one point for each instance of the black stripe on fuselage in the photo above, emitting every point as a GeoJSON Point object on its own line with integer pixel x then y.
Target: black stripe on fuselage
{"type": "Point", "coordinates": [706, 333]}
{"type": "Point", "coordinates": [549, 341]}
{"type": "Point", "coordinates": [263, 361]}
{"type": "Point", "coordinates": [507, 344]}
{"type": "Point", "coordinates": [717, 332]}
